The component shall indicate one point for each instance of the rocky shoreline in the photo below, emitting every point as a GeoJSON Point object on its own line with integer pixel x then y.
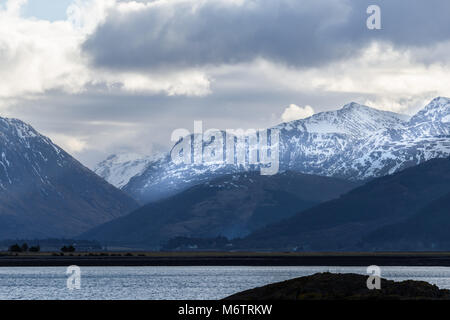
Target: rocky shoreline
{"type": "Point", "coordinates": [333, 286]}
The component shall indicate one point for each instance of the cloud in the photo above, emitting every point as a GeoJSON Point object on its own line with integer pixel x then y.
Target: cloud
{"type": "Point", "coordinates": [190, 33]}
{"type": "Point", "coordinates": [70, 144]}
{"type": "Point", "coordinates": [38, 56]}
{"type": "Point", "coordinates": [387, 78]}
{"type": "Point", "coordinates": [184, 47]}
{"type": "Point", "coordinates": [188, 82]}
{"type": "Point", "coordinates": [294, 112]}
{"type": "Point", "coordinates": [309, 33]}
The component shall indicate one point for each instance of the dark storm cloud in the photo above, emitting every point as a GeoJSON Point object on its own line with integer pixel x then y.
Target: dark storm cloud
{"type": "Point", "coordinates": [299, 33]}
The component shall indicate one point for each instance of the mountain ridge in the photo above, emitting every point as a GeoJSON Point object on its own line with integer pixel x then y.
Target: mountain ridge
{"type": "Point", "coordinates": [232, 206]}
{"type": "Point", "coordinates": [356, 142]}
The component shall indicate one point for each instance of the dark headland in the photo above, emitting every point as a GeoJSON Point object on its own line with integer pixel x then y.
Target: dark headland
{"type": "Point", "coordinates": [226, 259]}
{"type": "Point", "coordinates": [332, 286]}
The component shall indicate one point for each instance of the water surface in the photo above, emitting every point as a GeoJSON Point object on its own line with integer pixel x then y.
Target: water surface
{"type": "Point", "coordinates": [170, 283]}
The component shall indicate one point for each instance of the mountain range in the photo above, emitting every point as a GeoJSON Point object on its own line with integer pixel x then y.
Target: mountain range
{"type": "Point", "coordinates": [408, 210]}
{"type": "Point", "coordinates": [45, 192]}
{"type": "Point", "coordinates": [352, 179]}
{"type": "Point", "coordinates": [232, 206]}
{"type": "Point", "coordinates": [399, 162]}
{"type": "Point", "coordinates": [355, 143]}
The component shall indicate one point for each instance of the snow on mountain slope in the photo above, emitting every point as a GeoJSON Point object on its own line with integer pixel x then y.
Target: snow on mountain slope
{"type": "Point", "coordinates": [118, 169]}
{"type": "Point", "coordinates": [44, 192]}
{"type": "Point", "coordinates": [323, 143]}
{"type": "Point", "coordinates": [16, 136]}
{"type": "Point", "coordinates": [436, 111]}
{"type": "Point", "coordinates": [353, 119]}
{"type": "Point", "coordinates": [355, 142]}
{"type": "Point", "coordinates": [422, 138]}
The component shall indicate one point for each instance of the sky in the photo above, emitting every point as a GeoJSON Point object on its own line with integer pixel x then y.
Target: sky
{"type": "Point", "coordinates": [110, 76]}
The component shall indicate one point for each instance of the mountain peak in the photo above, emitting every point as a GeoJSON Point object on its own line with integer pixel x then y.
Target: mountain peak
{"type": "Point", "coordinates": [357, 107]}
{"type": "Point", "coordinates": [44, 192]}
{"type": "Point", "coordinates": [353, 120]}
{"type": "Point", "coordinates": [354, 105]}
{"type": "Point", "coordinates": [17, 128]}
{"type": "Point", "coordinates": [119, 168]}
{"type": "Point", "coordinates": [438, 110]}
{"type": "Point", "coordinates": [441, 100]}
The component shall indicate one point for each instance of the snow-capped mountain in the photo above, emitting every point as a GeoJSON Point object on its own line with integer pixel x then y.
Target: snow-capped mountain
{"type": "Point", "coordinates": [118, 169]}
{"type": "Point", "coordinates": [326, 142]}
{"type": "Point", "coordinates": [437, 111]}
{"type": "Point", "coordinates": [354, 120]}
{"type": "Point", "coordinates": [44, 192]}
{"type": "Point", "coordinates": [355, 142]}
{"type": "Point", "coordinates": [425, 136]}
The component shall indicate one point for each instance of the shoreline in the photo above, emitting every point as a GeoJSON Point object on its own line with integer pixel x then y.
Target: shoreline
{"type": "Point", "coordinates": [228, 259]}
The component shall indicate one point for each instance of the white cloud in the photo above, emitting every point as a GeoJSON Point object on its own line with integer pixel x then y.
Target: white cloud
{"type": "Point", "coordinates": [190, 83]}
{"type": "Point", "coordinates": [407, 105]}
{"type": "Point", "coordinates": [69, 143]}
{"type": "Point", "coordinates": [381, 76]}
{"type": "Point", "coordinates": [13, 7]}
{"type": "Point", "coordinates": [37, 56]}
{"type": "Point", "coordinates": [294, 112]}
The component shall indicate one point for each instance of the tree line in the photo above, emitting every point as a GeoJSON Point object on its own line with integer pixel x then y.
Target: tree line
{"type": "Point", "coordinates": [25, 248]}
